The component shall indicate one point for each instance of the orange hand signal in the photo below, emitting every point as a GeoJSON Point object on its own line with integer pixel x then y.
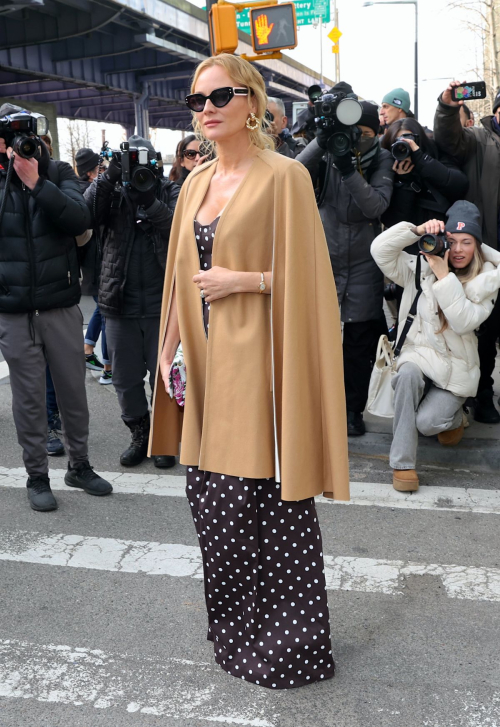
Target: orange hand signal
{"type": "Point", "coordinates": [263, 30]}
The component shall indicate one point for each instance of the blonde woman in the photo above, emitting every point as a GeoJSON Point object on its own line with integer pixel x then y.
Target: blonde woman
{"type": "Point", "coordinates": [249, 291]}
{"type": "Point", "coordinates": [438, 368]}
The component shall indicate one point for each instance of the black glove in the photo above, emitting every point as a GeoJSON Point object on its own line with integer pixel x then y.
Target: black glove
{"type": "Point", "coordinates": [114, 171]}
{"type": "Point", "coordinates": [322, 136]}
{"type": "Point", "coordinates": [344, 165]}
{"type": "Point", "coordinates": [142, 199]}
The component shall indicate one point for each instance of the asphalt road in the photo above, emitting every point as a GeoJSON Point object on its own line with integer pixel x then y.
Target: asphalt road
{"type": "Point", "coordinates": [414, 599]}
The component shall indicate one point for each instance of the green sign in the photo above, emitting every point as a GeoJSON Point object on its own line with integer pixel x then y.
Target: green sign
{"type": "Point", "coordinates": [307, 11]}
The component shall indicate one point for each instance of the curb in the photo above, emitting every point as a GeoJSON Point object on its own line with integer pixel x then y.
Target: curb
{"type": "Point", "coordinates": [480, 455]}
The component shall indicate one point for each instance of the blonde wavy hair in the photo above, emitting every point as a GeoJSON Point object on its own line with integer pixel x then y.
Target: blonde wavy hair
{"type": "Point", "coordinates": [243, 73]}
{"type": "Point", "coordinates": [465, 275]}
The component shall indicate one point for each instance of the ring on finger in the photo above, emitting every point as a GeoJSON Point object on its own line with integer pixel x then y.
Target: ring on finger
{"type": "Point", "coordinates": [202, 293]}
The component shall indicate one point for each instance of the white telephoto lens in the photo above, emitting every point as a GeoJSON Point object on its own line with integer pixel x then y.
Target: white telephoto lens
{"type": "Point", "coordinates": [349, 111]}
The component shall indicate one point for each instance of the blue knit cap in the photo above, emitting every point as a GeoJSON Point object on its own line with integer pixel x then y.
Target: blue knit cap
{"type": "Point", "coordinates": [464, 217]}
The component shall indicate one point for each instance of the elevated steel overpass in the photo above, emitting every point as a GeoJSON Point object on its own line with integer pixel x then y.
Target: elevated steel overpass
{"type": "Point", "coordinates": [122, 61]}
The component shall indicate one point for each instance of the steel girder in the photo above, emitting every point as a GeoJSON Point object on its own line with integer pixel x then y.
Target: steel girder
{"type": "Point", "coordinates": [91, 58]}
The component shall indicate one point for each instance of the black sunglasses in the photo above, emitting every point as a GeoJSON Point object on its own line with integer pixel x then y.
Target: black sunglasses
{"type": "Point", "coordinates": [220, 98]}
{"type": "Point", "coordinates": [191, 153]}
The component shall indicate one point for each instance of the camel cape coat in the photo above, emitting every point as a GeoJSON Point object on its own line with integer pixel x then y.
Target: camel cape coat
{"type": "Point", "coordinates": [265, 393]}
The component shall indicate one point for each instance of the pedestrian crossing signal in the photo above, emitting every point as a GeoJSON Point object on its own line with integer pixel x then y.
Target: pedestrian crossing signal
{"type": "Point", "coordinates": [273, 28]}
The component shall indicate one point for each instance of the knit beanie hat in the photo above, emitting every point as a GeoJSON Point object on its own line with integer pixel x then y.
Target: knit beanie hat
{"type": "Point", "coordinates": [464, 217]}
{"type": "Point", "coordinates": [86, 160]}
{"type": "Point", "coordinates": [496, 102]}
{"type": "Point", "coordinates": [341, 87]}
{"type": "Point", "coordinates": [370, 116]}
{"type": "Point", "coordinates": [399, 98]}
{"type": "Point", "coordinates": [137, 141]}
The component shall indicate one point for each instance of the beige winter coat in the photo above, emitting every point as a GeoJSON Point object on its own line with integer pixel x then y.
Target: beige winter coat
{"type": "Point", "coordinates": [265, 394]}
{"type": "Point", "coordinates": [450, 358]}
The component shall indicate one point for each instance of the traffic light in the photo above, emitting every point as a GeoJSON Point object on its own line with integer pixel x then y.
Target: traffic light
{"type": "Point", "coordinates": [223, 29]}
{"type": "Point", "coordinates": [273, 27]}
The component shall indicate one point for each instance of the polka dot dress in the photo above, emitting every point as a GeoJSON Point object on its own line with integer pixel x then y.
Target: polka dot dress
{"type": "Point", "coordinates": [205, 239]}
{"type": "Point", "coordinates": [263, 568]}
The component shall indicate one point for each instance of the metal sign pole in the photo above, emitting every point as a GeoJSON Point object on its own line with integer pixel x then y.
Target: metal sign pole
{"type": "Point", "coordinates": [321, 50]}
{"type": "Point", "coordinates": [337, 55]}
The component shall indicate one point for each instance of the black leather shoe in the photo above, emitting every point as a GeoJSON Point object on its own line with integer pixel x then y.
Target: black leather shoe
{"type": "Point", "coordinates": [82, 475]}
{"type": "Point", "coordinates": [355, 424]}
{"type": "Point", "coordinates": [138, 449]}
{"type": "Point", "coordinates": [39, 493]}
{"type": "Point", "coordinates": [484, 408]}
{"type": "Point", "coordinates": [164, 461]}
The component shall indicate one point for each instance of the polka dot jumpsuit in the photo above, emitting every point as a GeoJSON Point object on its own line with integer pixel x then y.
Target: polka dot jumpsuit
{"type": "Point", "coordinates": [263, 569]}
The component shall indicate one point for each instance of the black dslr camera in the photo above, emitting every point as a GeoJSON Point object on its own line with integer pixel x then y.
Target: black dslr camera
{"type": "Point", "coordinates": [401, 150]}
{"type": "Point", "coordinates": [22, 131]}
{"type": "Point", "coordinates": [339, 112]}
{"type": "Point", "coordinates": [140, 169]}
{"type": "Point", "coordinates": [434, 244]}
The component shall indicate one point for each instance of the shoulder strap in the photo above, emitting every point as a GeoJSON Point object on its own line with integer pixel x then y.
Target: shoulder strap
{"type": "Point", "coordinates": [412, 312]}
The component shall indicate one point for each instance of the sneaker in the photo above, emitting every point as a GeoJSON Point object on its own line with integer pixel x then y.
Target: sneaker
{"type": "Point", "coordinates": [39, 493]}
{"type": "Point", "coordinates": [92, 362]}
{"type": "Point", "coordinates": [106, 378]}
{"type": "Point", "coordinates": [82, 475]}
{"type": "Point", "coordinates": [54, 445]}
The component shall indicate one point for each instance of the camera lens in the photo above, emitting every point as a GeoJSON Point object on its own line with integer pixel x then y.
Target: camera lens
{"type": "Point", "coordinates": [25, 146]}
{"type": "Point", "coordinates": [431, 244]}
{"type": "Point", "coordinates": [339, 144]}
{"type": "Point", "coordinates": [401, 150]}
{"type": "Point", "coordinates": [143, 179]}
{"type": "Point", "coordinates": [327, 108]}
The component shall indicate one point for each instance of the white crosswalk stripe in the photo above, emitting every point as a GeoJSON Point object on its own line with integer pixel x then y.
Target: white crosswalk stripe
{"type": "Point", "coordinates": [374, 494]}
{"type": "Point", "coordinates": [367, 575]}
{"type": "Point", "coordinates": [79, 676]}
{"type": "Point", "coordinates": [4, 370]}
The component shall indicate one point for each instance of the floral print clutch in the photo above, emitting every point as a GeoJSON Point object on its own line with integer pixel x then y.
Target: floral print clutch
{"type": "Point", "coordinates": [177, 377]}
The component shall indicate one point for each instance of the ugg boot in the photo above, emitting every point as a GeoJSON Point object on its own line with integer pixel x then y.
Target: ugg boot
{"type": "Point", "coordinates": [452, 437]}
{"type": "Point", "coordinates": [405, 480]}
{"type": "Point", "coordinates": [138, 449]}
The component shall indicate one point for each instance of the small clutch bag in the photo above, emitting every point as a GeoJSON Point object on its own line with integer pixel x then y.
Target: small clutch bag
{"type": "Point", "coordinates": [177, 377]}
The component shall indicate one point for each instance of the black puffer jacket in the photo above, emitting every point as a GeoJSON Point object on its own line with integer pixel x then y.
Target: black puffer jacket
{"type": "Point", "coordinates": [134, 248]}
{"type": "Point", "coordinates": [38, 260]}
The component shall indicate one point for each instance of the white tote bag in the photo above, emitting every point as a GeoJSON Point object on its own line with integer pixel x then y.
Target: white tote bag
{"type": "Point", "coordinates": [380, 393]}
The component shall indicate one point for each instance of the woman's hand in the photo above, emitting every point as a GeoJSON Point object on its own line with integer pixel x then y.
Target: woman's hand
{"type": "Point", "coordinates": [165, 366]}
{"type": "Point", "coordinates": [432, 227]}
{"type": "Point", "coordinates": [404, 167]}
{"type": "Point", "coordinates": [201, 160]}
{"type": "Point", "coordinates": [439, 265]}
{"type": "Point", "coordinates": [216, 283]}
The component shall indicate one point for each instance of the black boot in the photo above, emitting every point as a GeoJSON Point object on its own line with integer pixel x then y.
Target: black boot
{"type": "Point", "coordinates": [39, 493]}
{"type": "Point", "coordinates": [82, 475]}
{"type": "Point", "coordinates": [484, 408]}
{"type": "Point", "coordinates": [164, 461]}
{"type": "Point", "coordinates": [355, 424]}
{"type": "Point", "coordinates": [138, 449]}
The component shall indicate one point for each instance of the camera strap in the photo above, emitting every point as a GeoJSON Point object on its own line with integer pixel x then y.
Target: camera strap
{"type": "Point", "coordinates": [412, 312]}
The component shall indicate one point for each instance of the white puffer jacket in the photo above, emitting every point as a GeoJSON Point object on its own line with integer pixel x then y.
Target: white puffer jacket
{"type": "Point", "coordinates": [449, 359]}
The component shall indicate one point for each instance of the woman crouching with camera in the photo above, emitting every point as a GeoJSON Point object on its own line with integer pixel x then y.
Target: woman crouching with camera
{"type": "Point", "coordinates": [438, 367]}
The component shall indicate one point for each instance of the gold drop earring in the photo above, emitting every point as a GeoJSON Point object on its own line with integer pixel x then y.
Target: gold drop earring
{"type": "Point", "coordinates": [253, 122]}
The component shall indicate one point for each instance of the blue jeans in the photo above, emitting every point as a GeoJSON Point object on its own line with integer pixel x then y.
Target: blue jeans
{"type": "Point", "coordinates": [96, 327]}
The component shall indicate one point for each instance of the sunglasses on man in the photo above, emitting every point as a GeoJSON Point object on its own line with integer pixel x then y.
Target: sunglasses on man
{"type": "Point", "coordinates": [219, 98]}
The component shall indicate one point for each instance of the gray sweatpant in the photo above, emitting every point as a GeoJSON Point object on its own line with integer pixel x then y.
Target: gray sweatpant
{"type": "Point", "coordinates": [133, 350]}
{"type": "Point", "coordinates": [419, 406]}
{"type": "Point", "coordinates": [52, 337]}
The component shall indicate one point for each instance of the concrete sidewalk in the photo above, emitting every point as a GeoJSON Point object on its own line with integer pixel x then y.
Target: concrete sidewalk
{"type": "Point", "coordinates": [479, 450]}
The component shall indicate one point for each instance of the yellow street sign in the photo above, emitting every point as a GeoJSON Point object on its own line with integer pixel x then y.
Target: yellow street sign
{"type": "Point", "coordinates": [334, 35]}
{"type": "Point", "coordinates": [335, 49]}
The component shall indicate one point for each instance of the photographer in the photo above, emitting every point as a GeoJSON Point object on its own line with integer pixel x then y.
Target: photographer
{"type": "Point", "coordinates": [438, 367]}
{"type": "Point", "coordinates": [134, 252]}
{"type": "Point", "coordinates": [285, 143]}
{"type": "Point", "coordinates": [477, 151]}
{"type": "Point", "coordinates": [426, 181]}
{"type": "Point", "coordinates": [356, 191]}
{"type": "Point", "coordinates": [41, 211]}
